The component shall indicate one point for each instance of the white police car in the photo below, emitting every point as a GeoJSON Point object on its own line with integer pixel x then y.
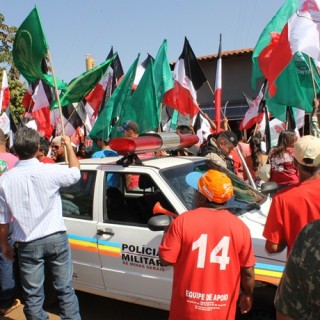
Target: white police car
{"type": "Point", "coordinates": [115, 254]}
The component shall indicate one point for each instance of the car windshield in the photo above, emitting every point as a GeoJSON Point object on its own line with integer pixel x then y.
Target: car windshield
{"type": "Point", "coordinates": [245, 197]}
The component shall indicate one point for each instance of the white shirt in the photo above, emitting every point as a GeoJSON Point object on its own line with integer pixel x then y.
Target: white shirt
{"type": "Point", "coordinates": [29, 193]}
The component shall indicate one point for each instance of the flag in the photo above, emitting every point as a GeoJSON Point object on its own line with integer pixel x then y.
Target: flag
{"type": "Point", "coordinates": [253, 114]}
{"type": "Point", "coordinates": [188, 78]}
{"type": "Point", "coordinates": [218, 89]}
{"type": "Point", "coordinates": [80, 87]}
{"type": "Point", "coordinates": [116, 66]}
{"type": "Point", "coordinates": [41, 111]}
{"type": "Point", "coordinates": [5, 122]}
{"type": "Point", "coordinates": [140, 71]}
{"type": "Point", "coordinates": [95, 97]}
{"type": "Point", "coordinates": [292, 66]}
{"type": "Point", "coordinates": [109, 117]}
{"type": "Point", "coordinates": [71, 119]}
{"type": "Point", "coordinates": [5, 92]}
{"type": "Point", "coordinates": [113, 81]}
{"type": "Point", "coordinates": [145, 104]}
{"type": "Point", "coordinates": [27, 101]}
{"type": "Point", "coordinates": [30, 48]}
{"type": "Point", "coordinates": [201, 127]}
{"type": "Point", "coordinates": [266, 41]}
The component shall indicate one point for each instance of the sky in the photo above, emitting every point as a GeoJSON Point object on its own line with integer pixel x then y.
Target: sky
{"type": "Point", "coordinates": [74, 28]}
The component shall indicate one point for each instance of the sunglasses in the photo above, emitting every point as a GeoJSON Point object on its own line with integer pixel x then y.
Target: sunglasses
{"type": "Point", "coordinates": [55, 147]}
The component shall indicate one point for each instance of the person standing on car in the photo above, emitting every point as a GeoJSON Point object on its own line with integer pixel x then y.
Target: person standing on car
{"type": "Point", "coordinates": [292, 208]}
{"type": "Point", "coordinates": [8, 302]}
{"type": "Point", "coordinates": [29, 197]}
{"type": "Point", "coordinates": [211, 252]}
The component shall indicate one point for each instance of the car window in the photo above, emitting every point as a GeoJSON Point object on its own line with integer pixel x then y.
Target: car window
{"type": "Point", "coordinates": [245, 197]}
{"type": "Point", "coordinates": [132, 203]}
{"type": "Point", "coordinates": [77, 200]}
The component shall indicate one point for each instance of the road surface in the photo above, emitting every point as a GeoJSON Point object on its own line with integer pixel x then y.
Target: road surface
{"type": "Point", "coordinates": [98, 308]}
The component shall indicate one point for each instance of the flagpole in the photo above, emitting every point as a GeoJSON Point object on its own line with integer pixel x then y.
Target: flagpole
{"type": "Point", "coordinates": [56, 91]}
{"type": "Point", "coordinates": [213, 95]}
{"type": "Point", "coordinates": [58, 101]}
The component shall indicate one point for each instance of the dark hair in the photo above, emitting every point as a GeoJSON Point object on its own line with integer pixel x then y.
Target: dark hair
{"type": "Point", "coordinates": [184, 129]}
{"type": "Point", "coordinates": [44, 145]}
{"type": "Point", "coordinates": [26, 143]}
{"type": "Point", "coordinates": [256, 151]}
{"type": "Point", "coordinates": [286, 139]}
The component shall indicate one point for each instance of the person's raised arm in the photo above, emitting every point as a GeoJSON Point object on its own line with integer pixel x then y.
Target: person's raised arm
{"type": "Point", "coordinates": [71, 156]}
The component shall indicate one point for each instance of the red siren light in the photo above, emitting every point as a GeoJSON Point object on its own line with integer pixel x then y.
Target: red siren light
{"type": "Point", "coordinates": [152, 142]}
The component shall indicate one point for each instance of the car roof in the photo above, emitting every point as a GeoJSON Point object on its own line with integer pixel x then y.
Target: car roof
{"type": "Point", "coordinates": [157, 162]}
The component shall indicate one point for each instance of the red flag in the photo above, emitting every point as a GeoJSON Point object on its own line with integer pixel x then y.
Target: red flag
{"type": "Point", "coordinates": [188, 78]}
{"type": "Point", "coordinates": [218, 89]}
{"type": "Point", "coordinates": [27, 101]}
{"type": "Point", "coordinates": [5, 93]}
{"type": "Point", "coordinates": [253, 114]}
{"type": "Point", "coordinates": [94, 98]}
{"type": "Point", "coordinates": [41, 111]}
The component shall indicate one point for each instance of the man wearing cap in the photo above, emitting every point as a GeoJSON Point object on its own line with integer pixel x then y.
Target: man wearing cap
{"type": "Point", "coordinates": [294, 207]}
{"type": "Point", "coordinates": [218, 149]}
{"type": "Point", "coordinates": [211, 253]}
{"type": "Point", "coordinates": [129, 128]}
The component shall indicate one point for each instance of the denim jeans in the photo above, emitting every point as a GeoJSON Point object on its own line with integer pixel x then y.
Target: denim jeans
{"type": "Point", "coordinates": [54, 251]}
{"type": "Point", "coordinates": [7, 282]}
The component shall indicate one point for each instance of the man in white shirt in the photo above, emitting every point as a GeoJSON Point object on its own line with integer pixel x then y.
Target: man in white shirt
{"type": "Point", "coordinates": [29, 196]}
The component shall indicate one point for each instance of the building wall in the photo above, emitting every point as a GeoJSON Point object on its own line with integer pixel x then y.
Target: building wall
{"type": "Point", "coordinates": [236, 79]}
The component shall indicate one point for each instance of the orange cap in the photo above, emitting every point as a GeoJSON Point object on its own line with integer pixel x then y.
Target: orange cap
{"type": "Point", "coordinates": [216, 186]}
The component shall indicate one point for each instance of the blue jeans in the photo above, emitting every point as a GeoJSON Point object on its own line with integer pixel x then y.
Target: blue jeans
{"type": "Point", "coordinates": [54, 251]}
{"type": "Point", "coordinates": [7, 282]}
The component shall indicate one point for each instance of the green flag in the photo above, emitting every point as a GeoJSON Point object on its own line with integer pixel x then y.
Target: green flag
{"type": "Point", "coordinates": [80, 87]}
{"type": "Point", "coordinates": [30, 48]}
{"type": "Point", "coordinates": [296, 85]}
{"type": "Point", "coordinates": [144, 106]}
{"type": "Point", "coordinates": [162, 72]}
{"type": "Point", "coordinates": [274, 26]}
{"type": "Point", "coordinates": [110, 115]}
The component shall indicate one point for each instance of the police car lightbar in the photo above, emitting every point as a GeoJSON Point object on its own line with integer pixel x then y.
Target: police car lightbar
{"type": "Point", "coordinates": [152, 142]}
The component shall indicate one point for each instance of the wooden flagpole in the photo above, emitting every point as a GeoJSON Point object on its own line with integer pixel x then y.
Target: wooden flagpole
{"type": "Point", "coordinates": [58, 100]}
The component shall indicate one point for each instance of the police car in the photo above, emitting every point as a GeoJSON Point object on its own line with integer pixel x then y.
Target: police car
{"type": "Point", "coordinates": [116, 213]}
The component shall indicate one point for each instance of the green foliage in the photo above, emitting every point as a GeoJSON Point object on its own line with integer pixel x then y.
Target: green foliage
{"type": "Point", "coordinates": [17, 88]}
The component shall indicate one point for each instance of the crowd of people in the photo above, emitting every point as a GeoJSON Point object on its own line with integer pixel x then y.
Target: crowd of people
{"type": "Point", "coordinates": [293, 164]}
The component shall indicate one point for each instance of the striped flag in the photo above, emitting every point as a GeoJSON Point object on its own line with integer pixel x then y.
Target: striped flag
{"type": "Point", "coordinates": [218, 89]}
{"type": "Point", "coordinates": [253, 114]}
{"type": "Point", "coordinates": [5, 92]}
{"type": "Point", "coordinates": [188, 78]}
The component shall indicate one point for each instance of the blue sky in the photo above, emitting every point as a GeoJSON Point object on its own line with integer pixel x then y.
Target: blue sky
{"type": "Point", "coordinates": [74, 28]}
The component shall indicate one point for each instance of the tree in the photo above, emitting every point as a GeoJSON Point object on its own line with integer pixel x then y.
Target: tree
{"type": "Point", "coordinates": [17, 88]}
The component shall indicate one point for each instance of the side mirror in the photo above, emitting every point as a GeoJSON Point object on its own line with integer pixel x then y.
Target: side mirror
{"type": "Point", "coordinates": [159, 222]}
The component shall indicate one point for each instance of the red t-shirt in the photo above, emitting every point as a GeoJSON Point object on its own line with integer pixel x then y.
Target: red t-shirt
{"type": "Point", "coordinates": [47, 160]}
{"type": "Point", "coordinates": [291, 210]}
{"type": "Point", "coordinates": [207, 248]}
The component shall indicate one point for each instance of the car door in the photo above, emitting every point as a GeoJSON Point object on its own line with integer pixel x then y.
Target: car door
{"type": "Point", "coordinates": [128, 249]}
{"type": "Point", "coordinates": [80, 203]}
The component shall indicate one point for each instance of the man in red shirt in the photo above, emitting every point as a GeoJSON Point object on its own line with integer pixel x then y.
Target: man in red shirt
{"type": "Point", "coordinates": [211, 253]}
{"type": "Point", "coordinates": [294, 207]}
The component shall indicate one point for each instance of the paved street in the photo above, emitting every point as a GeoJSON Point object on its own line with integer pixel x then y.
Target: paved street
{"type": "Point", "coordinates": [98, 308]}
